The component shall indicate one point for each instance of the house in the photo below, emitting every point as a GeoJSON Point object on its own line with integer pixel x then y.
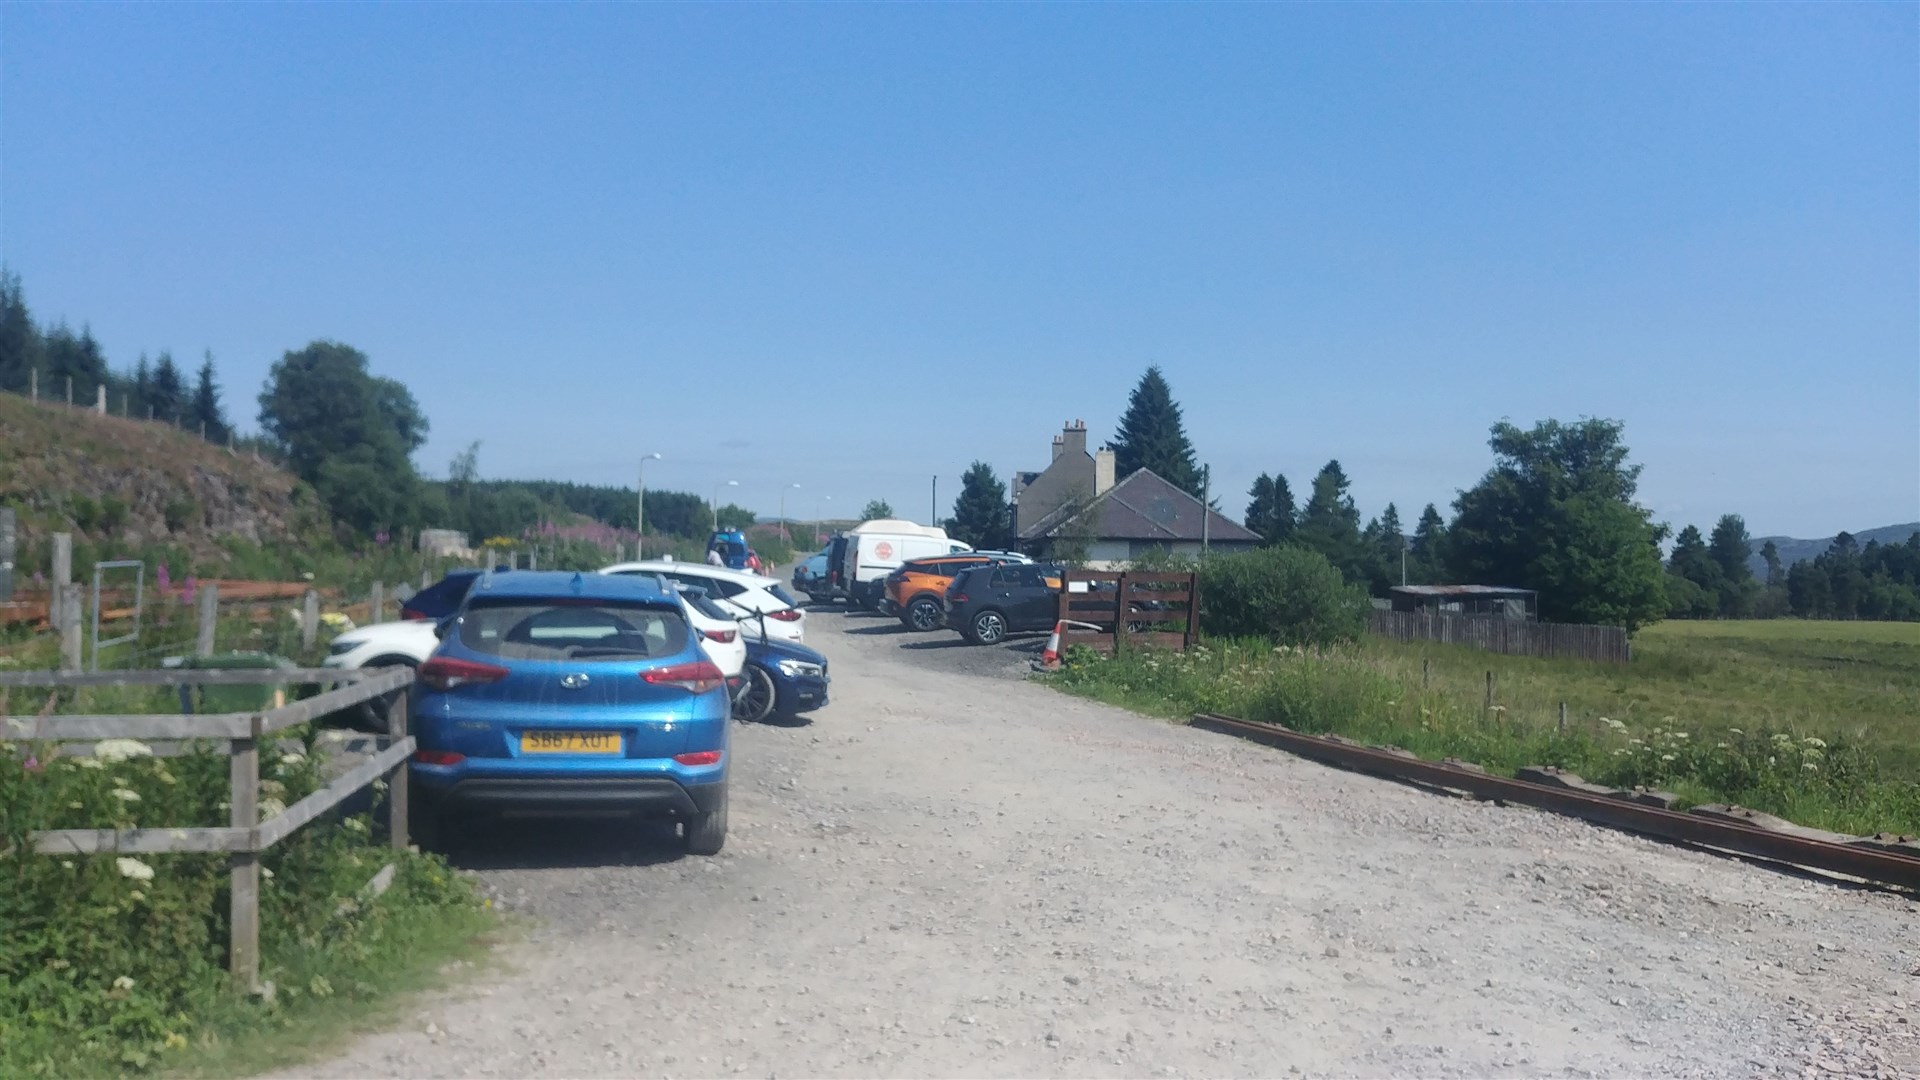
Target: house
{"type": "Point", "coordinates": [1467, 600]}
{"type": "Point", "coordinates": [1130, 519]}
{"type": "Point", "coordinates": [1073, 476]}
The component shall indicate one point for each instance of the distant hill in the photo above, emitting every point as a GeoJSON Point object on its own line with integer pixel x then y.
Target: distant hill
{"type": "Point", "coordinates": [120, 485]}
{"type": "Point", "coordinates": [1793, 551]}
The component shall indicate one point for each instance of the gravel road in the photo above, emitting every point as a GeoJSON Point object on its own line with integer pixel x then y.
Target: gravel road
{"type": "Point", "coordinates": [954, 871]}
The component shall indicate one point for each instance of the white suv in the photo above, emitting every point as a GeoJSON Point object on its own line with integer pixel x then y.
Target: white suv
{"type": "Point", "coordinates": [738, 592]}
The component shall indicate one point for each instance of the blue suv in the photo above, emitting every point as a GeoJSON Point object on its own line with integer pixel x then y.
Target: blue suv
{"type": "Point", "coordinates": [563, 691]}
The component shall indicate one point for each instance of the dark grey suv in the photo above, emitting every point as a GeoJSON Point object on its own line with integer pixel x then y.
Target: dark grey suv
{"type": "Point", "coordinates": [986, 603]}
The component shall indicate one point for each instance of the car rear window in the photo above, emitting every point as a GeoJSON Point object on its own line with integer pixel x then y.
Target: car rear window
{"type": "Point", "coordinates": [699, 601]}
{"type": "Point", "coordinates": [783, 596]}
{"type": "Point", "coordinates": [443, 596]}
{"type": "Point", "coordinates": [517, 629]}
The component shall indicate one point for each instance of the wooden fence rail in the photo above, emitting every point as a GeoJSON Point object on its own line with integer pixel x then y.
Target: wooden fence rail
{"type": "Point", "coordinates": [1122, 611]}
{"type": "Point", "coordinates": [246, 836]}
{"type": "Point", "coordinates": [1513, 637]}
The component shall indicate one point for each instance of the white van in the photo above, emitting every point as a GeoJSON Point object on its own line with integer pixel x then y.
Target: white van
{"type": "Point", "coordinates": [876, 548]}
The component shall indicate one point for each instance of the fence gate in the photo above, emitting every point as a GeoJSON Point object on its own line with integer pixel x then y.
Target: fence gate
{"type": "Point", "coordinates": [139, 602]}
{"type": "Point", "coordinates": [1116, 611]}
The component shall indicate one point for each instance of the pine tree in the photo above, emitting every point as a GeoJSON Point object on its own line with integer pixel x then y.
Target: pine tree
{"type": "Point", "coordinates": [142, 389]}
{"type": "Point", "coordinates": [1770, 554]}
{"type": "Point", "coordinates": [876, 509]}
{"type": "Point", "coordinates": [1152, 436]}
{"type": "Point", "coordinates": [1390, 548]}
{"type": "Point", "coordinates": [1691, 560]}
{"type": "Point", "coordinates": [980, 515]}
{"type": "Point", "coordinates": [1260, 504]}
{"type": "Point", "coordinates": [204, 412]}
{"type": "Point", "coordinates": [1330, 524]}
{"type": "Point", "coordinates": [1425, 558]}
{"type": "Point", "coordinates": [167, 393]}
{"type": "Point", "coordinates": [1286, 519]}
{"type": "Point", "coordinates": [20, 343]}
{"type": "Point", "coordinates": [1271, 513]}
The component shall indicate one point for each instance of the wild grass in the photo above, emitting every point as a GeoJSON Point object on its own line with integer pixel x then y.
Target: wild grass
{"type": "Point", "coordinates": [1814, 725]}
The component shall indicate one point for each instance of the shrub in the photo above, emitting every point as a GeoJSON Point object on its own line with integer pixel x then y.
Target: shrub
{"type": "Point", "coordinates": [1284, 594]}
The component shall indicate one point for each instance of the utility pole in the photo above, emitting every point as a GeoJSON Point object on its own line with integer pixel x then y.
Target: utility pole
{"type": "Point", "coordinates": [1403, 560]}
{"type": "Point", "coordinates": [1206, 510]}
{"type": "Point", "coordinates": [933, 508]}
{"type": "Point", "coordinates": [640, 518]}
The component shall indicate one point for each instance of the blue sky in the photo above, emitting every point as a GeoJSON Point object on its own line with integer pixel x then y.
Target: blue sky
{"type": "Point", "coordinates": [852, 247]}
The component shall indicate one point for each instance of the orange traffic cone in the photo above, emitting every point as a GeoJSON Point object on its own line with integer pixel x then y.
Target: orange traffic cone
{"type": "Point", "coordinates": [1051, 658]}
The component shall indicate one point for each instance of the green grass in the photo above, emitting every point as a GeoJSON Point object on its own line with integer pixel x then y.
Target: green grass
{"type": "Point", "coordinates": [1811, 721]}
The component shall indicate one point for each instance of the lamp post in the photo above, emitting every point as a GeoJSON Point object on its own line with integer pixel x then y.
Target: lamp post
{"type": "Point", "coordinates": [716, 501]}
{"type": "Point", "coordinates": [640, 518]}
{"type": "Point", "coordinates": [784, 534]}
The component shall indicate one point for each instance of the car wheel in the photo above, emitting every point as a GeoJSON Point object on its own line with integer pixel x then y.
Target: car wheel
{"type": "Point", "coordinates": [757, 696]}
{"type": "Point", "coordinates": [707, 833]}
{"type": "Point", "coordinates": [924, 614]}
{"type": "Point", "coordinates": [373, 711]}
{"type": "Point", "coordinates": [989, 627]}
{"type": "Point", "coordinates": [424, 820]}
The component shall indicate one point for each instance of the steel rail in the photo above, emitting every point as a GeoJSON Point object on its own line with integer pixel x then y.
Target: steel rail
{"type": "Point", "coordinates": [1857, 860]}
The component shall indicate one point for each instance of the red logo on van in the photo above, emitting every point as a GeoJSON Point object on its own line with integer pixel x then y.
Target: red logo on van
{"type": "Point", "coordinates": [883, 550]}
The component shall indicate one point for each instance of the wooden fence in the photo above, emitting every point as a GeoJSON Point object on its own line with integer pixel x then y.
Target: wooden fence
{"type": "Point", "coordinates": [1513, 637]}
{"type": "Point", "coordinates": [246, 836]}
{"type": "Point", "coordinates": [1109, 611]}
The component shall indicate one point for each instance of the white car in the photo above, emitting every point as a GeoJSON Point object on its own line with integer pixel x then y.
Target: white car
{"type": "Point", "coordinates": [720, 635]}
{"type": "Point", "coordinates": [408, 642]}
{"type": "Point", "coordinates": [737, 592]}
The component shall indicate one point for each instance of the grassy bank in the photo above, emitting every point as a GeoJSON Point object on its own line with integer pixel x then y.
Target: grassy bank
{"type": "Point", "coordinates": [1812, 722]}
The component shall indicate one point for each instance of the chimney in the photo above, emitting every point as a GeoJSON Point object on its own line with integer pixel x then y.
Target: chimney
{"type": "Point", "coordinates": [1102, 472]}
{"type": "Point", "coordinates": [1073, 440]}
{"type": "Point", "coordinates": [1057, 447]}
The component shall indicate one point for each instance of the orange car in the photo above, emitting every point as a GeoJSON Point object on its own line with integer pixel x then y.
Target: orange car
{"type": "Point", "coordinates": [916, 592]}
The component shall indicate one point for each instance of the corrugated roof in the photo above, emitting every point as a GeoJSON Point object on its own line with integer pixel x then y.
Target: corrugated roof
{"type": "Point", "coordinates": [1144, 507]}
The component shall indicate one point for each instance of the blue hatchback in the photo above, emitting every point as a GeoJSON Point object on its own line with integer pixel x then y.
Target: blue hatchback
{"type": "Point", "coordinates": [566, 692]}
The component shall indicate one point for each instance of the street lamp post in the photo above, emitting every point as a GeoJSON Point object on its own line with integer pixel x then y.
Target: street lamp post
{"type": "Point", "coordinates": [716, 501]}
{"type": "Point", "coordinates": [784, 534]}
{"type": "Point", "coordinates": [640, 519]}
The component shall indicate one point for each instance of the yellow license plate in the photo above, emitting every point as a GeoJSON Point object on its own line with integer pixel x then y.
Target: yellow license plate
{"type": "Point", "coordinates": [570, 742]}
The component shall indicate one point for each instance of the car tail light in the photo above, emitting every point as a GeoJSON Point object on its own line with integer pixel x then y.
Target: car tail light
{"type": "Point", "coordinates": [438, 757]}
{"type": "Point", "coordinates": [447, 673]}
{"type": "Point", "coordinates": [724, 637]}
{"type": "Point", "coordinates": [697, 678]}
{"type": "Point", "coordinates": [413, 616]}
{"type": "Point", "coordinates": [785, 615]}
{"type": "Point", "coordinates": [699, 757]}
{"type": "Point", "coordinates": [956, 598]}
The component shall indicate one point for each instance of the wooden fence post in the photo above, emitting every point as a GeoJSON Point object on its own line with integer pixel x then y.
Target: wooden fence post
{"type": "Point", "coordinates": [243, 957]}
{"type": "Point", "coordinates": [310, 620]}
{"type": "Point", "coordinates": [377, 603]}
{"type": "Point", "coordinates": [67, 601]}
{"type": "Point", "coordinates": [1563, 718]}
{"type": "Point", "coordinates": [1426, 672]}
{"type": "Point", "coordinates": [397, 785]}
{"type": "Point", "coordinates": [62, 575]}
{"type": "Point", "coordinates": [209, 619]}
{"type": "Point", "coordinates": [1193, 610]}
{"type": "Point", "coordinates": [1489, 689]}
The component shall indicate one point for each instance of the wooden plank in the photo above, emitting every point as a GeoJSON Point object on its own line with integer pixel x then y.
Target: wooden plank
{"type": "Point", "coordinates": [325, 799]}
{"type": "Point", "coordinates": [138, 841]}
{"type": "Point", "coordinates": [135, 726]}
{"type": "Point", "coordinates": [1157, 640]}
{"type": "Point", "coordinates": [181, 677]}
{"type": "Point", "coordinates": [243, 870]}
{"type": "Point", "coordinates": [397, 788]}
{"type": "Point", "coordinates": [299, 712]}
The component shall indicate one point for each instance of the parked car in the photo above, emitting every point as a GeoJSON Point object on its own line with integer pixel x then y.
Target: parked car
{"type": "Point", "coordinates": [557, 691]}
{"type": "Point", "coordinates": [810, 577]}
{"type": "Point", "coordinates": [874, 548]}
{"type": "Point", "coordinates": [720, 636]}
{"type": "Point", "coordinates": [782, 677]}
{"type": "Point", "coordinates": [442, 598]}
{"type": "Point", "coordinates": [986, 603]}
{"type": "Point", "coordinates": [916, 592]}
{"type": "Point", "coordinates": [731, 544]}
{"type": "Point", "coordinates": [736, 591]}
{"type": "Point", "coordinates": [393, 644]}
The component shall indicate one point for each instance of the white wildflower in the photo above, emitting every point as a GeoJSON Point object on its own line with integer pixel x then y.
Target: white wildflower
{"type": "Point", "coordinates": [91, 763]}
{"type": "Point", "coordinates": [125, 795]}
{"type": "Point", "coordinates": [121, 749]}
{"type": "Point", "coordinates": [271, 808]}
{"type": "Point", "coordinates": [136, 896]}
{"type": "Point", "coordinates": [1612, 723]}
{"type": "Point", "coordinates": [133, 868]}
{"type": "Point", "coordinates": [1735, 731]}
{"type": "Point", "coordinates": [123, 983]}
{"type": "Point", "coordinates": [266, 873]}
{"type": "Point", "coordinates": [1817, 744]}
{"type": "Point", "coordinates": [66, 864]}
{"type": "Point", "coordinates": [1666, 757]}
{"type": "Point", "coordinates": [354, 824]}
{"type": "Point", "coordinates": [292, 757]}
{"type": "Point", "coordinates": [1723, 746]}
{"type": "Point", "coordinates": [1811, 767]}
{"type": "Point", "coordinates": [1681, 735]}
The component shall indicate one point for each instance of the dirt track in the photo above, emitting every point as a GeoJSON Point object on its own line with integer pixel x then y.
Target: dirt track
{"type": "Point", "coordinates": [951, 871]}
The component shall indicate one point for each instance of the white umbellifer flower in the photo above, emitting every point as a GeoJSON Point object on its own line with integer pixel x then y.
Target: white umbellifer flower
{"type": "Point", "coordinates": [121, 749]}
{"type": "Point", "coordinates": [1666, 757]}
{"type": "Point", "coordinates": [91, 763]}
{"type": "Point", "coordinates": [123, 983]}
{"type": "Point", "coordinates": [133, 868]}
{"type": "Point", "coordinates": [292, 757]}
{"type": "Point", "coordinates": [1817, 744]}
{"type": "Point", "coordinates": [1811, 767]}
{"type": "Point", "coordinates": [125, 795]}
{"type": "Point", "coordinates": [271, 808]}
{"type": "Point", "coordinates": [1735, 731]}
{"type": "Point", "coordinates": [266, 873]}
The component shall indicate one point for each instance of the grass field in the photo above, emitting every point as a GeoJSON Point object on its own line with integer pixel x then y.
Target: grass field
{"type": "Point", "coordinates": [1814, 721]}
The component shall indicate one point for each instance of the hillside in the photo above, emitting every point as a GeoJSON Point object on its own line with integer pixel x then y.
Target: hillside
{"type": "Point", "coordinates": [1793, 551]}
{"type": "Point", "coordinates": [121, 485]}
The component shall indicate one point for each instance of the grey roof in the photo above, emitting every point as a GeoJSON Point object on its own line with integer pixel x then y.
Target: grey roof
{"type": "Point", "coordinates": [1461, 590]}
{"type": "Point", "coordinates": [1144, 507]}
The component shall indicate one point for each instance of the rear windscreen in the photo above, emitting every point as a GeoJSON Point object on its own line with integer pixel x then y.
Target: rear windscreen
{"type": "Point", "coordinates": [783, 596]}
{"type": "Point", "coordinates": [536, 630]}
